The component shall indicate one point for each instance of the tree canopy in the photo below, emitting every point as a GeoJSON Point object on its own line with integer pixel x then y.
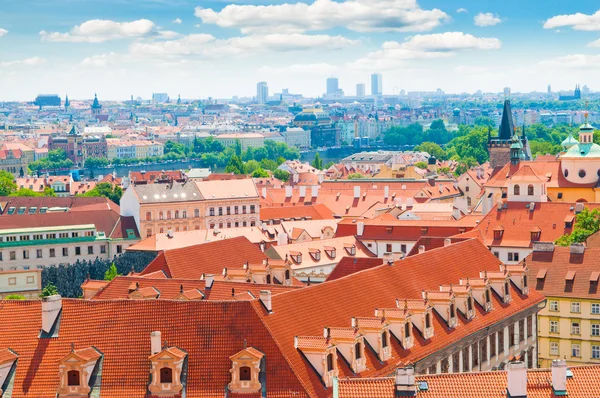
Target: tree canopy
{"type": "Point", "coordinates": [586, 223]}
{"type": "Point", "coordinates": [107, 190]}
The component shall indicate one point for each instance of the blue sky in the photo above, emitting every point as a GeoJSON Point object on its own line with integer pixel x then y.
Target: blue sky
{"type": "Point", "coordinates": [222, 48]}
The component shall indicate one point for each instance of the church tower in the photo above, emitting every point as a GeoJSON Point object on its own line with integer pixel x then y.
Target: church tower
{"type": "Point", "coordinates": [502, 148]}
{"type": "Point", "coordinates": [96, 107]}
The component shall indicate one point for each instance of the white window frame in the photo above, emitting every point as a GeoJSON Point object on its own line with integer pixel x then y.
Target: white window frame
{"type": "Point", "coordinates": [554, 303]}
{"type": "Point", "coordinates": [552, 328]}
{"type": "Point", "coordinates": [576, 307]}
{"type": "Point", "coordinates": [554, 348]}
{"type": "Point", "coordinates": [596, 352]}
{"type": "Point", "coordinates": [595, 309]}
{"type": "Point", "coordinates": [595, 330]}
{"type": "Point", "coordinates": [576, 350]}
{"type": "Point", "coordinates": [575, 327]}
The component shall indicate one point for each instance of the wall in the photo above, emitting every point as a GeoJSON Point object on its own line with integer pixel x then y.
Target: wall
{"type": "Point", "coordinates": [26, 283]}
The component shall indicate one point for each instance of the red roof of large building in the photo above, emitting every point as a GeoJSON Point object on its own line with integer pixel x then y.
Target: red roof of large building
{"type": "Point", "coordinates": [309, 212]}
{"type": "Point", "coordinates": [350, 265]}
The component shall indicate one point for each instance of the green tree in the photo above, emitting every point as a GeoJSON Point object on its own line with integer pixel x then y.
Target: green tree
{"type": "Point", "coordinates": [421, 165]}
{"type": "Point", "coordinates": [49, 192]}
{"type": "Point", "coordinates": [238, 148]}
{"type": "Point", "coordinates": [483, 121]}
{"type": "Point", "coordinates": [107, 190]}
{"type": "Point", "coordinates": [235, 166]}
{"type": "Point", "coordinates": [14, 297]}
{"type": "Point", "coordinates": [355, 176]}
{"type": "Point", "coordinates": [281, 175]}
{"type": "Point", "coordinates": [260, 173]}
{"type": "Point", "coordinates": [317, 162]}
{"type": "Point", "coordinates": [26, 192]}
{"type": "Point", "coordinates": [111, 273]}
{"type": "Point", "coordinates": [433, 149]}
{"type": "Point", "coordinates": [49, 290]}
{"type": "Point", "coordinates": [328, 165]}
{"type": "Point", "coordinates": [472, 145]}
{"type": "Point", "coordinates": [7, 183]}
{"type": "Point", "coordinates": [586, 223]}
{"type": "Point", "coordinates": [94, 163]}
{"type": "Point", "coordinates": [251, 166]}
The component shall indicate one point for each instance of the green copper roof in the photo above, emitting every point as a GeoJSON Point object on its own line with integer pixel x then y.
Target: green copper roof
{"type": "Point", "coordinates": [583, 151]}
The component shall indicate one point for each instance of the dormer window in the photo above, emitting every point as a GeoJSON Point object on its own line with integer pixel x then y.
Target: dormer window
{"type": "Point", "coordinates": [73, 378]}
{"type": "Point", "coordinates": [535, 234]}
{"type": "Point", "coordinates": [315, 254]}
{"type": "Point", "coordinates": [498, 232]}
{"type": "Point", "coordinates": [351, 249]}
{"type": "Point", "coordinates": [296, 257]}
{"type": "Point", "coordinates": [357, 351]}
{"type": "Point", "coordinates": [322, 355]}
{"type": "Point", "coordinates": [330, 251]}
{"type": "Point", "coordinates": [75, 372]}
{"type": "Point", "coordinates": [384, 339]}
{"type": "Point", "coordinates": [245, 371]}
{"type": "Point", "coordinates": [488, 300]}
{"type": "Point", "coordinates": [428, 321]}
{"type": "Point", "coordinates": [167, 366]}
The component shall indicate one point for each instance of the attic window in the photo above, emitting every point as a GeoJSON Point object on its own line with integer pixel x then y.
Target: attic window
{"type": "Point", "coordinates": [569, 220]}
{"type": "Point", "coordinates": [535, 234]}
{"type": "Point", "coordinates": [498, 232]}
{"type": "Point", "coordinates": [594, 277]}
{"type": "Point", "coordinates": [315, 253]}
{"type": "Point", "coordinates": [424, 230]}
{"type": "Point", "coordinates": [351, 250]}
{"type": "Point", "coordinates": [330, 251]}
{"type": "Point", "coordinates": [541, 273]}
{"type": "Point", "coordinates": [570, 276]}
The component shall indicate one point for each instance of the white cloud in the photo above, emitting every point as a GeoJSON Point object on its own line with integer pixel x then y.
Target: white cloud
{"type": "Point", "coordinates": [207, 46]}
{"type": "Point", "coordinates": [574, 61]}
{"type": "Point", "coordinates": [33, 61]}
{"type": "Point", "coordinates": [486, 19]}
{"type": "Point", "coordinates": [472, 70]}
{"type": "Point", "coordinates": [440, 45]}
{"type": "Point", "coordinates": [462, 10]}
{"type": "Point", "coordinates": [102, 60]}
{"type": "Point", "coordinates": [313, 70]}
{"type": "Point", "coordinates": [98, 30]}
{"type": "Point", "coordinates": [576, 21]}
{"type": "Point", "coordinates": [3, 32]}
{"type": "Point", "coordinates": [167, 34]}
{"type": "Point", "coordinates": [178, 21]}
{"type": "Point", "coordinates": [356, 15]}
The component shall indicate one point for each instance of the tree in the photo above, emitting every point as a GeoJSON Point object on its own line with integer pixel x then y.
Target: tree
{"type": "Point", "coordinates": [235, 166]}
{"type": "Point", "coordinates": [281, 175]}
{"type": "Point", "coordinates": [26, 192]}
{"type": "Point", "coordinates": [483, 121]}
{"type": "Point", "coordinates": [328, 165]}
{"type": "Point", "coordinates": [472, 145]}
{"type": "Point", "coordinates": [7, 183]}
{"type": "Point", "coordinates": [111, 273]}
{"type": "Point", "coordinates": [251, 166]}
{"type": "Point", "coordinates": [355, 176]}
{"type": "Point", "coordinates": [260, 173]}
{"type": "Point", "coordinates": [107, 190]}
{"type": "Point", "coordinates": [14, 297]}
{"type": "Point", "coordinates": [238, 148]}
{"type": "Point", "coordinates": [94, 163]}
{"type": "Point", "coordinates": [49, 192]}
{"type": "Point", "coordinates": [432, 148]}
{"type": "Point", "coordinates": [421, 165]}
{"type": "Point", "coordinates": [586, 223]}
{"type": "Point", "coordinates": [317, 162]}
{"type": "Point", "coordinates": [49, 290]}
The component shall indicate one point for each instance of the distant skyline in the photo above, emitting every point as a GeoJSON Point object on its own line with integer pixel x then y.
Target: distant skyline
{"type": "Point", "coordinates": [221, 48]}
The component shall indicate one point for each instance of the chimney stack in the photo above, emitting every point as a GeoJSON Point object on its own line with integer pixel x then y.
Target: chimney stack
{"type": "Point", "coordinates": [386, 191]}
{"type": "Point", "coordinates": [405, 382]}
{"type": "Point", "coordinates": [282, 239]}
{"type": "Point", "coordinates": [265, 298]}
{"type": "Point", "coordinates": [447, 242]}
{"type": "Point", "coordinates": [288, 191]}
{"type": "Point", "coordinates": [517, 379]}
{"type": "Point", "coordinates": [360, 228]}
{"type": "Point", "coordinates": [302, 191]}
{"type": "Point", "coordinates": [559, 376]}
{"type": "Point", "coordinates": [209, 280]}
{"type": "Point", "coordinates": [264, 192]}
{"type": "Point", "coordinates": [421, 249]}
{"type": "Point", "coordinates": [577, 248]}
{"type": "Point", "coordinates": [51, 307]}
{"type": "Point", "coordinates": [315, 191]}
{"type": "Point", "coordinates": [155, 342]}
{"type": "Point", "coordinates": [356, 192]}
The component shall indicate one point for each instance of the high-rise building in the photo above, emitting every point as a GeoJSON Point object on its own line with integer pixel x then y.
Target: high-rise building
{"type": "Point", "coordinates": [160, 98]}
{"type": "Point", "coordinates": [507, 92]}
{"type": "Point", "coordinates": [360, 90]}
{"type": "Point", "coordinates": [549, 89]}
{"type": "Point", "coordinates": [376, 84]}
{"type": "Point", "coordinates": [262, 92]}
{"type": "Point", "coordinates": [333, 85]}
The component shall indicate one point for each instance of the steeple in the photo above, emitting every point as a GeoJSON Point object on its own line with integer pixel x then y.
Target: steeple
{"type": "Point", "coordinates": [516, 149]}
{"type": "Point", "coordinates": [178, 99]}
{"type": "Point", "coordinates": [507, 125]}
{"type": "Point", "coordinates": [96, 107]}
{"type": "Point", "coordinates": [67, 102]}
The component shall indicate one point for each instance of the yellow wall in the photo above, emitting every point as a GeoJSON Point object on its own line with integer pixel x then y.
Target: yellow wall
{"type": "Point", "coordinates": [564, 337]}
{"type": "Point", "coordinates": [572, 195]}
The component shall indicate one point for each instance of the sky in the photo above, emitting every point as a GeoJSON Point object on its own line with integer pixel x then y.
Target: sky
{"type": "Point", "coordinates": [222, 48]}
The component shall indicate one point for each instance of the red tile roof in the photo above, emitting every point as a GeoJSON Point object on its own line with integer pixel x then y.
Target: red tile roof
{"type": "Point", "coordinates": [206, 258]}
{"type": "Point", "coordinates": [350, 265]}
{"type": "Point", "coordinates": [73, 203]}
{"type": "Point", "coordinates": [433, 242]}
{"type": "Point", "coordinates": [313, 212]}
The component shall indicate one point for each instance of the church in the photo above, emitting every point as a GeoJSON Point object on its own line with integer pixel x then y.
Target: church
{"type": "Point", "coordinates": [499, 147]}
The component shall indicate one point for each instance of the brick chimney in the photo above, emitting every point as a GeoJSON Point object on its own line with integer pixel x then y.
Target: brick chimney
{"type": "Point", "coordinates": [265, 299]}
{"type": "Point", "coordinates": [517, 380]}
{"type": "Point", "coordinates": [447, 242]}
{"type": "Point", "coordinates": [155, 342]}
{"type": "Point", "coordinates": [405, 382]}
{"type": "Point", "coordinates": [559, 376]}
{"type": "Point", "coordinates": [421, 249]}
{"type": "Point", "coordinates": [51, 307]}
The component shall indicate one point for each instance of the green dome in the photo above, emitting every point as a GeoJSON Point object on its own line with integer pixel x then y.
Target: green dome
{"type": "Point", "coordinates": [583, 151]}
{"type": "Point", "coordinates": [569, 142]}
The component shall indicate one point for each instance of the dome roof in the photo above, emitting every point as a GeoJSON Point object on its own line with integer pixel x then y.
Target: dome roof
{"type": "Point", "coordinates": [580, 150]}
{"type": "Point", "coordinates": [569, 142]}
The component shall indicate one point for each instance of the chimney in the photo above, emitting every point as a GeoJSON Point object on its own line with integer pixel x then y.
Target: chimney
{"type": "Point", "coordinates": [209, 280]}
{"type": "Point", "coordinates": [409, 202]}
{"type": "Point", "coordinates": [265, 299]}
{"type": "Point", "coordinates": [315, 191]}
{"type": "Point", "coordinates": [360, 228]}
{"type": "Point", "coordinates": [302, 191]}
{"type": "Point", "coordinates": [447, 242]}
{"type": "Point", "coordinates": [517, 380]}
{"type": "Point", "coordinates": [264, 192]}
{"type": "Point", "coordinates": [543, 246]}
{"type": "Point", "coordinates": [441, 188]}
{"type": "Point", "coordinates": [386, 191]}
{"type": "Point", "coordinates": [422, 249]}
{"type": "Point", "coordinates": [405, 382]}
{"type": "Point", "coordinates": [559, 376]}
{"type": "Point", "coordinates": [288, 191]}
{"type": "Point", "coordinates": [321, 178]}
{"type": "Point", "coordinates": [577, 248]}
{"type": "Point", "coordinates": [51, 307]}
{"type": "Point", "coordinates": [282, 239]}
{"type": "Point", "coordinates": [578, 207]}
{"type": "Point", "coordinates": [155, 342]}
{"type": "Point", "coordinates": [356, 192]}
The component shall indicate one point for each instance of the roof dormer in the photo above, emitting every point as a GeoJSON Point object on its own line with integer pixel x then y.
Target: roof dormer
{"type": "Point", "coordinates": [167, 368]}
{"type": "Point", "coordinates": [500, 283]}
{"type": "Point", "coordinates": [399, 321]}
{"type": "Point", "coordinates": [422, 316]}
{"type": "Point", "coordinates": [245, 371]}
{"type": "Point", "coordinates": [444, 304]}
{"type": "Point", "coordinates": [463, 297]}
{"type": "Point", "coordinates": [498, 232]}
{"type": "Point", "coordinates": [481, 291]}
{"type": "Point", "coordinates": [144, 293]}
{"type": "Point", "coordinates": [75, 372]}
{"type": "Point", "coordinates": [330, 251]}
{"type": "Point", "coordinates": [377, 334]}
{"type": "Point", "coordinates": [7, 362]}
{"type": "Point", "coordinates": [519, 275]}
{"type": "Point", "coordinates": [296, 257]}
{"type": "Point", "coordinates": [350, 249]}
{"type": "Point", "coordinates": [189, 295]}
{"type": "Point", "coordinates": [321, 353]}
{"type": "Point", "coordinates": [350, 343]}
{"type": "Point", "coordinates": [315, 254]}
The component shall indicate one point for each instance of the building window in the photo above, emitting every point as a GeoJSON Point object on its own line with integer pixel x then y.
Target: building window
{"type": "Point", "coordinates": [228, 225]}
{"type": "Point", "coordinates": [245, 374]}
{"type": "Point", "coordinates": [513, 256]}
{"type": "Point", "coordinates": [575, 350]}
{"type": "Point", "coordinates": [357, 351]}
{"type": "Point", "coordinates": [38, 253]}
{"type": "Point", "coordinates": [403, 248]}
{"type": "Point", "coordinates": [517, 189]}
{"type": "Point", "coordinates": [52, 253]}
{"type": "Point", "coordinates": [30, 280]}
{"type": "Point", "coordinates": [78, 251]}
{"type": "Point", "coordinates": [595, 329]}
{"type": "Point", "coordinates": [166, 375]}
{"type": "Point", "coordinates": [575, 307]}
{"type": "Point", "coordinates": [329, 362]}
{"type": "Point", "coordinates": [168, 214]}
{"type": "Point", "coordinates": [236, 210]}
{"type": "Point", "coordinates": [384, 340]}
{"type": "Point", "coordinates": [12, 281]}
{"type": "Point", "coordinates": [530, 326]}
{"type": "Point", "coordinates": [183, 213]}
{"type": "Point", "coordinates": [511, 335]}
{"type": "Point", "coordinates": [119, 249]}
{"type": "Point", "coordinates": [553, 305]}
{"type": "Point", "coordinates": [575, 329]}
{"type": "Point", "coordinates": [65, 251]}
{"type": "Point", "coordinates": [211, 211]}
{"type": "Point", "coordinates": [25, 254]}
{"type": "Point", "coordinates": [176, 213]}
{"type": "Point", "coordinates": [388, 247]}
{"type": "Point", "coordinates": [73, 378]}
{"type": "Point", "coordinates": [103, 249]}
{"type": "Point", "coordinates": [148, 232]}
{"type": "Point", "coordinates": [220, 211]}
{"type": "Point", "coordinates": [554, 348]}
{"type": "Point", "coordinates": [596, 352]}
{"type": "Point", "coordinates": [228, 210]}
{"type": "Point", "coordinates": [521, 330]}
{"type": "Point", "coordinates": [530, 190]}
{"type": "Point", "coordinates": [148, 216]}
{"type": "Point", "coordinates": [595, 308]}
{"type": "Point", "coordinates": [581, 175]}
{"type": "Point", "coordinates": [244, 209]}
{"type": "Point", "coordinates": [497, 254]}
{"type": "Point", "coordinates": [493, 345]}
{"type": "Point", "coordinates": [90, 249]}
{"type": "Point", "coordinates": [252, 209]}
{"type": "Point", "coordinates": [553, 326]}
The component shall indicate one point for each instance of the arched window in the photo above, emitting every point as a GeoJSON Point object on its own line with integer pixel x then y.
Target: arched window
{"type": "Point", "coordinates": [148, 216]}
{"type": "Point", "coordinates": [245, 373]}
{"type": "Point", "coordinates": [524, 280]}
{"type": "Point", "coordinates": [287, 274]}
{"type": "Point", "coordinates": [329, 362]}
{"type": "Point", "coordinates": [357, 351]}
{"type": "Point", "coordinates": [384, 339]}
{"type": "Point", "coordinates": [168, 214]}
{"type": "Point", "coordinates": [487, 296]}
{"type": "Point", "coordinates": [517, 189]}
{"type": "Point", "coordinates": [530, 190]}
{"type": "Point", "coordinates": [212, 225]}
{"type": "Point", "coordinates": [452, 311]}
{"type": "Point", "coordinates": [166, 375]}
{"type": "Point", "coordinates": [268, 278]}
{"type": "Point", "coordinates": [73, 378]}
{"type": "Point", "coordinates": [506, 291]}
{"type": "Point", "coordinates": [176, 213]}
{"type": "Point", "coordinates": [470, 304]}
{"type": "Point", "coordinates": [428, 320]}
{"type": "Point", "coordinates": [406, 329]}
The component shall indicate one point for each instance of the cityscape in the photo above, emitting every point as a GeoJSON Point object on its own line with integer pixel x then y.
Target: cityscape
{"type": "Point", "coordinates": [341, 199]}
